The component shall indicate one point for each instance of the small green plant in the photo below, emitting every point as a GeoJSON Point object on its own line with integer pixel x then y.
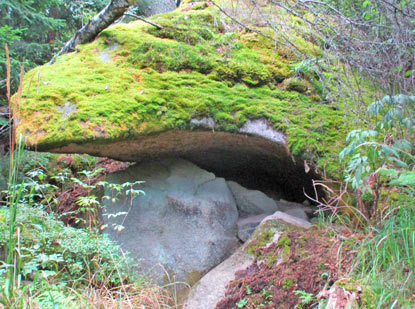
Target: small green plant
{"type": "Point", "coordinates": [242, 303]}
{"type": "Point", "coordinates": [14, 193]}
{"type": "Point", "coordinates": [128, 191]}
{"type": "Point", "coordinates": [266, 294]}
{"type": "Point", "coordinates": [287, 283]}
{"type": "Point", "coordinates": [380, 167]}
{"type": "Point", "coordinates": [89, 204]}
{"type": "Point", "coordinates": [306, 298]}
{"type": "Point", "coordinates": [248, 290]}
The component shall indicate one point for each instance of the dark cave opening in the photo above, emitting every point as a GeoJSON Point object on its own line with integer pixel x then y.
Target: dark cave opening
{"type": "Point", "coordinates": [254, 161]}
{"type": "Point", "coordinates": [278, 178]}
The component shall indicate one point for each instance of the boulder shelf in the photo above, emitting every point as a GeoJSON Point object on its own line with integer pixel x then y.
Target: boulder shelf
{"type": "Point", "coordinates": [191, 81]}
{"type": "Point", "coordinates": [220, 121]}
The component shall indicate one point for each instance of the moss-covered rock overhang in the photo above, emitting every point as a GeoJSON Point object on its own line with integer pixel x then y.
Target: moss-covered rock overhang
{"type": "Point", "coordinates": [135, 83]}
{"type": "Point", "coordinates": [258, 160]}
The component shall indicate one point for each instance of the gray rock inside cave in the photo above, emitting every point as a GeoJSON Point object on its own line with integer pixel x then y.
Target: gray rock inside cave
{"type": "Point", "coordinates": [189, 220]}
{"type": "Point", "coordinates": [199, 185]}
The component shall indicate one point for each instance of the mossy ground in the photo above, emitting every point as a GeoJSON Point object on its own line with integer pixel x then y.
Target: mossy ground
{"type": "Point", "coordinates": [159, 80]}
{"type": "Point", "coordinates": [300, 263]}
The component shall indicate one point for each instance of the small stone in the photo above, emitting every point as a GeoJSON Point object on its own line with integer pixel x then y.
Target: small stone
{"type": "Point", "coordinates": [295, 209]}
{"type": "Point", "coordinates": [288, 219]}
{"type": "Point", "coordinates": [247, 226]}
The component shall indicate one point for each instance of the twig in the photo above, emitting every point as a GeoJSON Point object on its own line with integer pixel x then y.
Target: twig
{"type": "Point", "coordinates": [291, 45]}
{"type": "Point", "coordinates": [249, 28]}
{"type": "Point", "coordinates": [144, 20]}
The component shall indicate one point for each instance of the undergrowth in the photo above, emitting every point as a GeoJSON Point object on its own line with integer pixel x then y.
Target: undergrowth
{"type": "Point", "coordinates": [46, 264]}
{"type": "Point", "coordinates": [379, 198]}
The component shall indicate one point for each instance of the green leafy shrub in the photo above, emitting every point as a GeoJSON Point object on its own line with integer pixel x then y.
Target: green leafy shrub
{"type": "Point", "coordinates": [387, 150]}
{"type": "Point", "coordinates": [64, 252]}
{"type": "Point", "coordinates": [380, 166]}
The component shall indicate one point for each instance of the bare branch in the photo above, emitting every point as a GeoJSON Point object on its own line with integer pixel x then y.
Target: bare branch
{"type": "Point", "coordinates": [247, 27]}
{"type": "Point", "coordinates": [144, 20]}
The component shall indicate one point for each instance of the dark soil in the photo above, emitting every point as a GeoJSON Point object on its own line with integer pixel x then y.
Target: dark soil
{"type": "Point", "coordinates": [312, 260]}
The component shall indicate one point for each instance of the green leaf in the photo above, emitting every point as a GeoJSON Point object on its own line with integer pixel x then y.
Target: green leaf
{"type": "Point", "coordinates": [388, 172]}
{"type": "Point", "coordinates": [406, 178]}
{"type": "Point", "coordinates": [241, 303]}
{"type": "Point", "coordinates": [366, 3]}
{"type": "Point", "coordinates": [408, 73]}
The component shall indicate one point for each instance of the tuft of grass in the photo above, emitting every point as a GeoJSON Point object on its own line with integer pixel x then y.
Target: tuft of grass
{"type": "Point", "coordinates": [12, 263]}
{"type": "Point", "coordinates": [386, 261]}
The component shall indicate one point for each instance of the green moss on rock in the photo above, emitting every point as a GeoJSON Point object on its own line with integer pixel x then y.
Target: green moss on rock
{"type": "Point", "coordinates": [285, 243]}
{"type": "Point", "coordinates": [158, 80]}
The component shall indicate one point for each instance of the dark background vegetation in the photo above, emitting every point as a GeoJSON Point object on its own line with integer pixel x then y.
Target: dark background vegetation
{"type": "Point", "coordinates": [35, 30]}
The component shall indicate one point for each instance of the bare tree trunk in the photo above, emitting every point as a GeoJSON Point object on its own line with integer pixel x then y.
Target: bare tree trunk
{"type": "Point", "coordinates": [112, 11]}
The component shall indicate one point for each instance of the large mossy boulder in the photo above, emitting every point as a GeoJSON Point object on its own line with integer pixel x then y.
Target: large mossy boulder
{"type": "Point", "coordinates": [198, 85]}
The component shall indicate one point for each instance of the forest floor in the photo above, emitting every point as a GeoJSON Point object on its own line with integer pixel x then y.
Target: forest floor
{"type": "Point", "coordinates": [312, 261]}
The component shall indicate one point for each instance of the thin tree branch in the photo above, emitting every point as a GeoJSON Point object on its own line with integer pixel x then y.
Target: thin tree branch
{"type": "Point", "coordinates": [144, 20]}
{"type": "Point", "coordinates": [249, 28]}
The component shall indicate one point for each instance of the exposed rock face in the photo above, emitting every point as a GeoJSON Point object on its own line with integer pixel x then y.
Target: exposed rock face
{"type": "Point", "coordinates": [211, 288]}
{"type": "Point", "coordinates": [251, 202]}
{"type": "Point", "coordinates": [261, 159]}
{"type": "Point", "coordinates": [287, 219]}
{"type": "Point", "coordinates": [151, 7]}
{"type": "Point", "coordinates": [295, 209]}
{"type": "Point", "coordinates": [186, 221]}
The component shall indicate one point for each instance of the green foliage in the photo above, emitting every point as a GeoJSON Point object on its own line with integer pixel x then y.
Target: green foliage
{"type": "Point", "coordinates": [306, 298]}
{"type": "Point", "coordinates": [64, 254]}
{"type": "Point", "coordinates": [384, 170]}
{"type": "Point", "coordinates": [363, 160]}
{"type": "Point", "coordinates": [12, 252]}
{"type": "Point", "coordinates": [241, 303]}
{"type": "Point", "coordinates": [29, 161]}
{"type": "Point", "coordinates": [369, 159]}
{"type": "Point", "coordinates": [287, 283]}
{"type": "Point", "coordinates": [386, 259]}
{"type": "Point", "coordinates": [42, 251]}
